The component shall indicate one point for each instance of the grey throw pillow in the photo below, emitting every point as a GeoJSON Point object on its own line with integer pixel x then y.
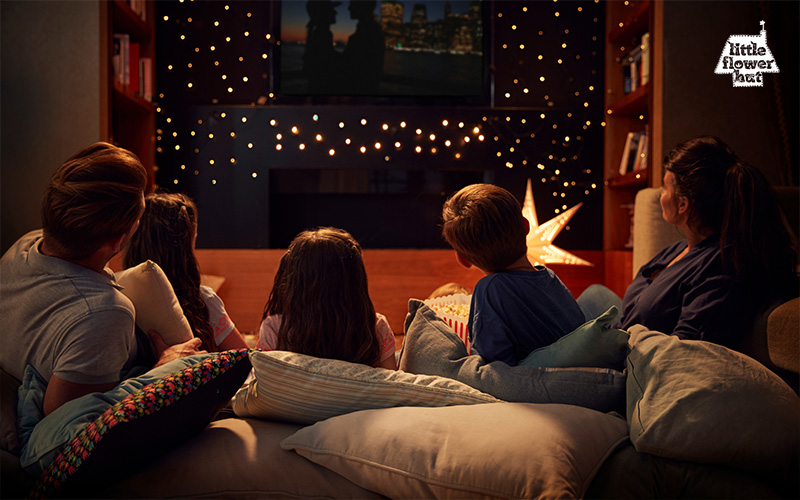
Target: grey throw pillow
{"type": "Point", "coordinates": [431, 347]}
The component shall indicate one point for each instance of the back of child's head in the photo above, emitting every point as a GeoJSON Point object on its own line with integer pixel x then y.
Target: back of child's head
{"type": "Point", "coordinates": [166, 235]}
{"type": "Point", "coordinates": [449, 289]}
{"type": "Point", "coordinates": [321, 292]}
{"type": "Point", "coordinates": [485, 225]}
{"type": "Point", "coordinates": [166, 232]}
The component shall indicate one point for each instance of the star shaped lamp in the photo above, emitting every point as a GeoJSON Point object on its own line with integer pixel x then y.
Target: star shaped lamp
{"type": "Point", "coordinates": [541, 250]}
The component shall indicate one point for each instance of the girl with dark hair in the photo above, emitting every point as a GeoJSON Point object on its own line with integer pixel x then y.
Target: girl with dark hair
{"type": "Point", "coordinates": [166, 235]}
{"type": "Point", "coordinates": [320, 305]}
{"type": "Point", "coordinates": [738, 255]}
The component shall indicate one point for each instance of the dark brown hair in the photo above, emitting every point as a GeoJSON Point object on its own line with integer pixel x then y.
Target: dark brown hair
{"type": "Point", "coordinates": [484, 223]}
{"type": "Point", "coordinates": [166, 236]}
{"type": "Point", "coordinates": [93, 197]}
{"type": "Point", "coordinates": [320, 291]}
{"type": "Point", "coordinates": [732, 199]}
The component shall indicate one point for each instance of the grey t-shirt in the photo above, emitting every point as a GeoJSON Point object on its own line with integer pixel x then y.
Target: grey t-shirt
{"type": "Point", "coordinates": [61, 318]}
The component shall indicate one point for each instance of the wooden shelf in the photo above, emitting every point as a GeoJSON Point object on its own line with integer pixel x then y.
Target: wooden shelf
{"type": "Point", "coordinates": [635, 22]}
{"type": "Point", "coordinates": [631, 104]}
{"type": "Point", "coordinates": [131, 118]}
{"type": "Point", "coordinates": [626, 23]}
{"type": "Point", "coordinates": [127, 21]}
{"type": "Point", "coordinates": [125, 97]}
{"type": "Point", "coordinates": [637, 179]}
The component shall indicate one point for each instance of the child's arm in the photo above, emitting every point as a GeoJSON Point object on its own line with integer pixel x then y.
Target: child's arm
{"type": "Point", "coordinates": [387, 341]}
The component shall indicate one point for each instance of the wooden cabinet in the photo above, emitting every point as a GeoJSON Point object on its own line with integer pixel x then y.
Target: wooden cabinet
{"type": "Point", "coordinates": [631, 106]}
{"type": "Point", "coordinates": [130, 119]}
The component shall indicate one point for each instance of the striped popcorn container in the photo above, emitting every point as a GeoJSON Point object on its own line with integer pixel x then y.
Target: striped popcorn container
{"type": "Point", "coordinates": [454, 310]}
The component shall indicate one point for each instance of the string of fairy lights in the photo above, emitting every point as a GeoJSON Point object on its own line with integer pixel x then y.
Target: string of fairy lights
{"type": "Point", "coordinates": [217, 109]}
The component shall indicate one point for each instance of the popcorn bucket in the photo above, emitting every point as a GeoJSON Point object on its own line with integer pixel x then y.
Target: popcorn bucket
{"type": "Point", "coordinates": [454, 310]}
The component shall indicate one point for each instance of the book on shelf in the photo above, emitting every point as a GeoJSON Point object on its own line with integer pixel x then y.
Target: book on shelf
{"type": "Point", "coordinates": [629, 152]}
{"type": "Point", "coordinates": [636, 66]}
{"type": "Point", "coordinates": [120, 58]}
{"type": "Point", "coordinates": [139, 7]}
{"type": "Point", "coordinates": [631, 70]}
{"type": "Point", "coordinates": [146, 78]}
{"type": "Point", "coordinates": [641, 152]}
{"type": "Point", "coordinates": [645, 66]}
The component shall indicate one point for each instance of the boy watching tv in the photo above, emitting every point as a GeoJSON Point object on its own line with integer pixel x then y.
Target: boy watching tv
{"type": "Point", "coordinates": [517, 307]}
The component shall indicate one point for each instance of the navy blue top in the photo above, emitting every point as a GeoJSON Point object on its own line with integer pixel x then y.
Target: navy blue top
{"type": "Point", "coordinates": [695, 298]}
{"type": "Point", "coordinates": [515, 312]}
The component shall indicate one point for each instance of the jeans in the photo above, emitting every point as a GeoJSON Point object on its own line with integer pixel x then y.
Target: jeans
{"type": "Point", "coordinates": [596, 300]}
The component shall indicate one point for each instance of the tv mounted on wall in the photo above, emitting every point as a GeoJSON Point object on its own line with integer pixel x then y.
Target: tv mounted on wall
{"type": "Point", "coordinates": [389, 51]}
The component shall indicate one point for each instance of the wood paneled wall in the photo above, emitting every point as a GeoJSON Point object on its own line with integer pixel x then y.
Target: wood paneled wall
{"type": "Point", "coordinates": [394, 277]}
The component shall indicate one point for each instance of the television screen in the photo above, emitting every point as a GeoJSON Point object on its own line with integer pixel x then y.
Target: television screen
{"type": "Point", "coordinates": [389, 48]}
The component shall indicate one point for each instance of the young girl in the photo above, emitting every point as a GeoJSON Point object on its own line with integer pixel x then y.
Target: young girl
{"type": "Point", "coordinates": [319, 304]}
{"type": "Point", "coordinates": [166, 235]}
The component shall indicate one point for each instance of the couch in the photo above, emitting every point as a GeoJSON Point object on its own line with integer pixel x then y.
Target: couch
{"type": "Point", "coordinates": [601, 414]}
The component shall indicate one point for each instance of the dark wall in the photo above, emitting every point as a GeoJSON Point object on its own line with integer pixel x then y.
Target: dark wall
{"type": "Point", "coordinates": [541, 119]}
{"type": "Point", "coordinates": [759, 123]}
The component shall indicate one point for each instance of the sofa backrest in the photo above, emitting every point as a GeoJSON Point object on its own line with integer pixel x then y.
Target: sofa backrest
{"type": "Point", "coordinates": [651, 233]}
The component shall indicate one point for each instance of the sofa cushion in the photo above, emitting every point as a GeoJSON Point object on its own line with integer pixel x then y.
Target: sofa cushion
{"type": "Point", "coordinates": [783, 335]}
{"type": "Point", "coordinates": [651, 233]}
{"type": "Point", "coordinates": [154, 300]}
{"type": "Point", "coordinates": [500, 450]}
{"type": "Point", "coordinates": [593, 344]}
{"type": "Point", "coordinates": [701, 402]}
{"type": "Point", "coordinates": [236, 458]}
{"type": "Point", "coordinates": [431, 347]}
{"type": "Point", "coordinates": [304, 389]}
{"type": "Point", "coordinates": [132, 424]}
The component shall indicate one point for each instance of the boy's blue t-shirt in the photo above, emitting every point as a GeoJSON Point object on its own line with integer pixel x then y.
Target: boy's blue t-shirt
{"type": "Point", "coordinates": [515, 312]}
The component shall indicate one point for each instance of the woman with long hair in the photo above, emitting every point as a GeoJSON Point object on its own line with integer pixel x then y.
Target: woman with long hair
{"type": "Point", "coordinates": [737, 258]}
{"type": "Point", "coordinates": [320, 305]}
{"type": "Point", "coordinates": [166, 235]}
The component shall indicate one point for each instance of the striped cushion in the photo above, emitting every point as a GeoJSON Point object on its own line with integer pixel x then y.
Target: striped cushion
{"type": "Point", "coordinates": [303, 389]}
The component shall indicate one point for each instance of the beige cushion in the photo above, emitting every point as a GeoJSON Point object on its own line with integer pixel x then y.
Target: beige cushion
{"type": "Point", "coordinates": [783, 335]}
{"type": "Point", "coordinates": [156, 305]}
{"type": "Point", "coordinates": [701, 402]}
{"type": "Point", "coordinates": [651, 233]}
{"type": "Point", "coordinates": [500, 450]}
{"type": "Point", "coordinates": [238, 459]}
{"type": "Point", "coordinates": [304, 389]}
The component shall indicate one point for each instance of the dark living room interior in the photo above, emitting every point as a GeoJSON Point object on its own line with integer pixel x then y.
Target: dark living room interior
{"type": "Point", "coordinates": [570, 105]}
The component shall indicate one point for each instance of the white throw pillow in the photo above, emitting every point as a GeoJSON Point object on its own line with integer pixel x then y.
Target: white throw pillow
{"type": "Point", "coordinates": [304, 389]}
{"type": "Point", "coordinates": [156, 305]}
{"type": "Point", "coordinates": [498, 450]}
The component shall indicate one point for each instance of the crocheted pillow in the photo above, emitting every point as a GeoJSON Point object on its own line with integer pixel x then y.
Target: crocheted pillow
{"type": "Point", "coordinates": [145, 424]}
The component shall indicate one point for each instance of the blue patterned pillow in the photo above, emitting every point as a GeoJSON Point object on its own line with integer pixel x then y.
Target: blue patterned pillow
{"type": "Point", "coordinates": [144, 424]}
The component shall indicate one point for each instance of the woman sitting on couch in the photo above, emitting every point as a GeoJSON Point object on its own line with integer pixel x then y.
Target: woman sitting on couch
{"type": "Point", "coordinates": [737, 256]}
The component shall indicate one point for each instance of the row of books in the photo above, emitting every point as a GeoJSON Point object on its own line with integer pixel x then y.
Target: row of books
{"type": "Point", "coordinates": [139, 7]}
{"type": "Point", "coordinates": [634, 156]}
{"type": "Point", "coordinates": [636, 66]}
{"type": "Point", "coordinates": [131, 70]}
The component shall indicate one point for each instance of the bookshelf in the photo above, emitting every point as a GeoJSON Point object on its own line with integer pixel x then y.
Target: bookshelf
{"type": "Point", "coordinates": [632, 104]}
{"type": "Point", "coordinates": [130, 118]}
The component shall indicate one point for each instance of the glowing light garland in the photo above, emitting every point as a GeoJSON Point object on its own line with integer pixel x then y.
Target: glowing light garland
{"type": "Point", "coordinates": [525, 129]}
